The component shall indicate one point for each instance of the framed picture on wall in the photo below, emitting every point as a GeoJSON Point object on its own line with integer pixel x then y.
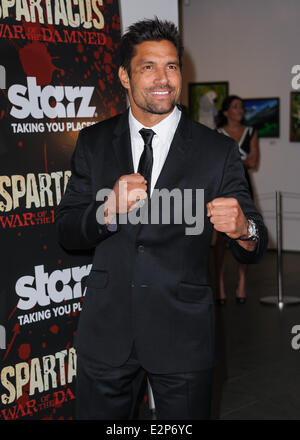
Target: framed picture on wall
{"type": "Point", "coordinates": [263, 114]}
{"type": "Point", "coordinates": [205, 100]}
{"type": "Point", "coordinates": [295, 117]}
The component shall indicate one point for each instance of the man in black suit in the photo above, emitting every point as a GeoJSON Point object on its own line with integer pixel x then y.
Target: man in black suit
{"type": "Point", "coordinates": [149, 304]}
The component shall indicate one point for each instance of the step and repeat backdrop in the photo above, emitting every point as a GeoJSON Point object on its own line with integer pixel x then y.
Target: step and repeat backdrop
{"type": "Point", "coordinates": [58, 74]}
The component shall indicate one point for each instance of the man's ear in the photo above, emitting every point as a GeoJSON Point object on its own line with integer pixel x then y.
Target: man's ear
{"type": "Point", "coordinates": [124, 78]}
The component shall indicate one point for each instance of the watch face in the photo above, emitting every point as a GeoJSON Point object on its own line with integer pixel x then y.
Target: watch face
{"type": "Point", "coordinates": [252, 229]}
{"type": "Point", "coordinates": [252, 232]}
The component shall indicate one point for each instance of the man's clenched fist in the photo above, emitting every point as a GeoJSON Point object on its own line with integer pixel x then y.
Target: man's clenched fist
{"type": "Point", "coordinates": [127, 191]}
{"type": "Point", "coordinates": [227, 216]}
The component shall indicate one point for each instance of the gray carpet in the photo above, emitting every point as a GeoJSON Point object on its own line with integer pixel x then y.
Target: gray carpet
{"type": "Point", "coordinates": [258, 372]}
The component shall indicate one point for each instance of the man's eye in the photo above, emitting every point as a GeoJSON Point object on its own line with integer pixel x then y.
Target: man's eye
{"type": "Point", "coordinates": [172, 67]}
{"type": "Point", "coordinates": [148, 67]}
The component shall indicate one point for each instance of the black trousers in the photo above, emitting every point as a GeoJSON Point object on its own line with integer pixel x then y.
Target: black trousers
{"type": "Point", "coordinates": [110, 393]}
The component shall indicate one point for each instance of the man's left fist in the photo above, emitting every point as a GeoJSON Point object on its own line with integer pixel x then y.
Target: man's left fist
{"type": "Point", "coordinates": [227, 216]}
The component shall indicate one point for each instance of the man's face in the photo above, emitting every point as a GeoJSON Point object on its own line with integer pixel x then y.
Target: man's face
{"type": "Point", "coordinates": [154, 85]}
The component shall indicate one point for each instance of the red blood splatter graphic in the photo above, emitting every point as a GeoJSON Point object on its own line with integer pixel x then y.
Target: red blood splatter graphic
{"type": "Point", "coordinates": [23, 398]}
{"type": "Point", "coordinates": [54, 329]}
{"type": "Point", "coordinates": [113, 111]}
{"type": "Point", "coordinates": [49, 417]}
{"type": "Point", "coordinates": [109, 42]}
{"type": "Point", "coordinates": [43, 69]}
{"type": "Point", "coordinates": [16, 331]}
{"type": "Point", "coordinates": [101, 84]}
{"type": "Point", "coordinates": [24, 351]}
{"type": "Point", "coordinates": [80, 48]}
{"type": "Point", "coordinates": [115, 22]}
{"type": "Point", "coordinates": [107, 58]}
{"type": "Point", "coordinates": [12, 312]}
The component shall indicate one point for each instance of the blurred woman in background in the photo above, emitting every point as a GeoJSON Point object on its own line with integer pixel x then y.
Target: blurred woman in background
{"type": "Point", "coordinates": [230, 123]}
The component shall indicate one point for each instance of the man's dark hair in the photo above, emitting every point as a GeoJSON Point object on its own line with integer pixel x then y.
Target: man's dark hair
{"type": "Point", "coordinates": [147, 30]}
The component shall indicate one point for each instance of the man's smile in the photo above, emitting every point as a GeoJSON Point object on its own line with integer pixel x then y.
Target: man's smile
{"type": "Point", "coordinates": [161, 93]}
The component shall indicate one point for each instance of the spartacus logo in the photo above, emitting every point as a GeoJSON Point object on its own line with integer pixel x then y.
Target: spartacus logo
{"type": "Point", "coordinates": [50, 101]}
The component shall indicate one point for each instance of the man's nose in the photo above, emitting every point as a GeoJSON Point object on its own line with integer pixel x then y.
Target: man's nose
{"type": "Point", "coordinates": [161, 76]}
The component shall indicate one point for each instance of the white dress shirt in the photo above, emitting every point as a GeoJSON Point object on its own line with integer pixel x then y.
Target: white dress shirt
{"type": "Point", "coordinates": [161, 142]}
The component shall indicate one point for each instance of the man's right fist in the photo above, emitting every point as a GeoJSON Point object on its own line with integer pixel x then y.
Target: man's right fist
{"type": "Point", "coordinates": [127, 191]}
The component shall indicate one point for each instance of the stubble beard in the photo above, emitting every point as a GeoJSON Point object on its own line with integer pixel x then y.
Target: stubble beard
{"type": "Point", "coordinates": [155, 108]}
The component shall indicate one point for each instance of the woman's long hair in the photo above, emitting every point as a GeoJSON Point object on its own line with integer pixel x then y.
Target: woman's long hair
{"type": "Point", "coordinates": [221, 119]}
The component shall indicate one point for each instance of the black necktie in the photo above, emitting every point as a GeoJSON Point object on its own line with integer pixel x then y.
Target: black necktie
{"type": "Point", "coordinates": [146, 160]}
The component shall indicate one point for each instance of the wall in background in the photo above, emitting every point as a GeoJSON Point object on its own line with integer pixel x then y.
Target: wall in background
{"type": "Point", "coordinates": [253, 45]}
{"type": "Point", "coordinates": [133, 10]}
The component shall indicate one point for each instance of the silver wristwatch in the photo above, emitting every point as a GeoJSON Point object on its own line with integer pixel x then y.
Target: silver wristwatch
{"type": "Point", "coordinates": [252, 232]}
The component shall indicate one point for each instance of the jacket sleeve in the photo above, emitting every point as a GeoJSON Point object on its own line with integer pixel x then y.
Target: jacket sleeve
{"type": "Point", "coordinates": [234, 184]}
{"type": "Point", "coordinates": [75, 218]}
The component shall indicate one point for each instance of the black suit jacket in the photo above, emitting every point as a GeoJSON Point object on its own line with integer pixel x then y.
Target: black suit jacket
{"type": "Point", "coordinates": [150, 283]}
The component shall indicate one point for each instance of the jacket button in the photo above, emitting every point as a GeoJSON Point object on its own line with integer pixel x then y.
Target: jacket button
{"type": "Point", "coordinates": [141, 248]}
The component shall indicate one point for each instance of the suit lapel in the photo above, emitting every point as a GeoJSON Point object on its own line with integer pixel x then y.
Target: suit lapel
{"type": "Point", "coordinates": [122, 145]}
{"type": "Point", "coordinates": [175, 164]}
